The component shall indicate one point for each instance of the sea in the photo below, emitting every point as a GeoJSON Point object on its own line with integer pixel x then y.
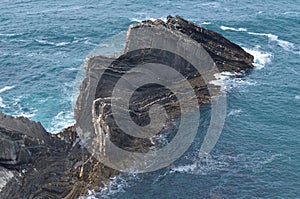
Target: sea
{"type": "Point", "coordinates": [43, 45]}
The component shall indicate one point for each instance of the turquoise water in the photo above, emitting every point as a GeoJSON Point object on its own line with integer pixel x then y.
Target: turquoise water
{"type": "Point", "coordinates": [43, 44]}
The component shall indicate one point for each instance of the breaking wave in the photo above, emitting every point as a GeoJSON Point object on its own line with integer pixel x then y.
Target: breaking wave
{"type": "Point", "coordinates": [61, 120]}
{"type": "Point", "coordinates": [260, 58]}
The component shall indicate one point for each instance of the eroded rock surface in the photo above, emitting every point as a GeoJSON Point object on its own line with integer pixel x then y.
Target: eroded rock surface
{"type": "Point", "coordinates": [36, 164]}
{"type": "Point", "coordinates": [227, 55]}
{"type": "Point", "coordinates": [195, 53]}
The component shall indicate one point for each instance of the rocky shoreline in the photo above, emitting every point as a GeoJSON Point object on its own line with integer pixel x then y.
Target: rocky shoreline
{"type": "Point", "coordinates": [37, 164]}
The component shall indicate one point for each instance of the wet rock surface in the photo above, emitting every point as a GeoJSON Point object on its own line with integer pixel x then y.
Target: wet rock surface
{"type": "Point", "coordinates": [36, 164]}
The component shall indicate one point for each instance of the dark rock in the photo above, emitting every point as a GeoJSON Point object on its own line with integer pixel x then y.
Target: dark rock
{"type": "Point", "coordinates": [36, 164]}
{"type": "Point", "coordinates": [196, 53]}
{"type": "Point", "coordinates": [227, 55]}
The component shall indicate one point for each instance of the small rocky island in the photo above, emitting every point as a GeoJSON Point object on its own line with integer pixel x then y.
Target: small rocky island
{"type": "Point", "coordinates": [37, 164]}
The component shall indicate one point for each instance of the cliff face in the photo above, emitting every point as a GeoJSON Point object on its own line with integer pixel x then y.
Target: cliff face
{"type": "Point", "coordinates": [36, 164]}
{"type": "Point", "coordinates": [227, 55]}
{"type": "Point", "coordinates": [169, 64]}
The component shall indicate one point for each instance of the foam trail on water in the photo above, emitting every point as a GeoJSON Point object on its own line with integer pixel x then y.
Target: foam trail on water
{"type": "Point", "coordinates": [286, 45]}
{"type": "Point", "coordinates": [45, 42]}
{"type": "Point", "coordinates": [260, 58]}
{"type": "Point", "coordinates": [9, 34]}
{"type": "Point", "coordinates": [233, 29]}
{"type": "Point", "coordinates": [6, 88]}
{"type": "Point", "coordinates": [210, 164]}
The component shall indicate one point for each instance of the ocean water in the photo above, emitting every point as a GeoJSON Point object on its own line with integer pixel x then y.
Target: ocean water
{"type": "Point", "coordinates": [43, 45]}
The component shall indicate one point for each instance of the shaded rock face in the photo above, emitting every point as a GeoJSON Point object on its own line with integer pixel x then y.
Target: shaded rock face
{"type": "Point", "coordinates": [36, 164]}
{"type": "Point", "coordinates": [227, 55]}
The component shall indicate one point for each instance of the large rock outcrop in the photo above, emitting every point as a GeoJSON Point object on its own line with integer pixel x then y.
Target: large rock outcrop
{"type": "Point", "coordinates": [36, 164]}
{"type": "Point", "coordinates": [169, 64]}
{"type": "Point", "coordinates": [227, 55]}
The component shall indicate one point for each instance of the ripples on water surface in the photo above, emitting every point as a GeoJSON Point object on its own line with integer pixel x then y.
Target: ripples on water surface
{"type": "Point", "coordinates": [43, 44]}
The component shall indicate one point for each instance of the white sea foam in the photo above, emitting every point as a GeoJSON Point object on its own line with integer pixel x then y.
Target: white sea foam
{"type": "Point", "coordinates": [46, 42]}
{"type": "Point", "coordinates": [72, 69]}
{"type": "Point", "coordinates": [61, 120]}
{"type": "Point", "coordinates": [210, 164]}
{"type": "Point", "coordinates": [260, 58]}
{"type": "Point", "coordinates": [211, 4]}
{"type": "Point", "coordinates": [297, 97]}
{"type": "Point", "coordinates": [206, 23]}
{"type": "Point", "coordinates": [201, 166]}
{"type": "Point", "coordinates": [228, 81]}
{"type": "Point", "coordinates": [234, 112]}
{"type": "Point", "coordinates": [2, 105]}
{"type": "Point", "coordinates": [6, 88]}
{"type": "Point", "coordinates": [233, 29]}
{"type": "Point", "coordinates": [185, 168]}
{"type": "Point", "coordinates": [221, 79]}
{"type": "Point", "coordinates": [9, 34]}
{"type": "Point", "coordinates": [62, 43]}
{"type": "Point", "coordinates": [28, 115]}
{"type": "Point", "coordinates": [286, 45]}
{"type": "Point", "coordinates": [17, 109]}
{"type": "Point", "coordinates": [148, 18]}
{"type": "Point", "coordinates": [116, 185]}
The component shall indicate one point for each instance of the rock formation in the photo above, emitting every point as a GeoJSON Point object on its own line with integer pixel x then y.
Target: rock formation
{"type": "Point", "coordinates": [36, 164]}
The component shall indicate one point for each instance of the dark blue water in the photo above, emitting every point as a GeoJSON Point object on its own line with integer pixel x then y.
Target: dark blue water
{"type": "Point", "coordinates": [44, 43]}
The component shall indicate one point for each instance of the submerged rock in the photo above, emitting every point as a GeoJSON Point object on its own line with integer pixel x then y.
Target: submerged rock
{"type": "Point", "coordinates": [36, 164]}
